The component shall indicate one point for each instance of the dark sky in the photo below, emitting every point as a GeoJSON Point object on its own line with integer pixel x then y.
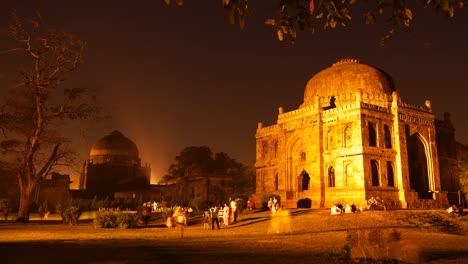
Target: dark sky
{"type": "Point", "coordinates": [173, 77]}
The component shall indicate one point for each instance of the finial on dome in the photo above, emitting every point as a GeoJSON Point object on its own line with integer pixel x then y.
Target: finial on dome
{"type": "Point", "coordinates": [428, 104]}
{"type": "Point", "coordinates": [346, 60]}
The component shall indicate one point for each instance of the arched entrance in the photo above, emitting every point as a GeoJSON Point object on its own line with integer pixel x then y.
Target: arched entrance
{"type": "Point", "coordinates": [418, 171]}
{"type": "Point", "coordinates": [304, 181]}
{"type": "Point", "coordinates": [331, 177]}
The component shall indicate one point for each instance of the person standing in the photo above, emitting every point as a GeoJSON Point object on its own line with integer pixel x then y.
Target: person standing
{"type": "Point", "coordinates": [181, 220]}
{"type": "Point", "coordinates": [227, 214]}
{"type": "Point", "coordinates": [233, 211]}
{"type": "Point", "coordinates": [206, 219]}
{"type": "Point", "coordinates": [270, 204]}
{"type": "Point", "coordinates": [214, 211]}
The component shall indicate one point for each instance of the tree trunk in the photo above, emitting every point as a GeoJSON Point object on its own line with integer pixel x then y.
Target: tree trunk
{"type": "Point", "coordinates": [23, 211]}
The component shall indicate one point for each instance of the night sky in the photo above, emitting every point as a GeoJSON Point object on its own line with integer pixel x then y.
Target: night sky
{"type": "Point", "coordinates": [172, 77]}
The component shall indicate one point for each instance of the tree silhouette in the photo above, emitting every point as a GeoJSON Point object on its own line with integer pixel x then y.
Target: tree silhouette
{"type": "Point", "coordinates": [38, 107]}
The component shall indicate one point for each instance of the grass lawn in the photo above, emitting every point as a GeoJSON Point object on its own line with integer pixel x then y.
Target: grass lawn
{"type": "Point", "coordinates": [307, 236]}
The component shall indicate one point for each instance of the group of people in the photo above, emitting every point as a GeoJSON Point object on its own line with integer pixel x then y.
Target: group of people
{"type": "Point", "coordinates": [225, 214]}
{"type": "Point", "coordinates": [337, 209]}
{"type": "Point", "coordinates": [273, 205]}
{"type": "Point", "coordinates": [180, 213]}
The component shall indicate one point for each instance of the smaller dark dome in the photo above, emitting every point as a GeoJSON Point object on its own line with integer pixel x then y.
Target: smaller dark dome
{"type": "Point", "coordinates": [114, 144]}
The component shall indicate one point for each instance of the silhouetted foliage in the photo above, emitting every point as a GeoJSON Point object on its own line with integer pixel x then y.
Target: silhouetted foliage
{"type": "Point", "coordinates": [200, 162]}
{"type": "Point", "coordinates": [292, 15]}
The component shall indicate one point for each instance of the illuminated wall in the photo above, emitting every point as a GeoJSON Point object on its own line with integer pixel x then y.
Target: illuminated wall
{"type": "Point", "coordinates": [353, 138]}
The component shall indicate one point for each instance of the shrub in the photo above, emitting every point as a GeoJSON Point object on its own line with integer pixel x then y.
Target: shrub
{"type": "Point", "coordinates": [198, 203]}
{"type": "Point", "coordinates": [58, 208]}
{"type": "Point", "coordinates": [126, 220]}
{"type": "Point", "coordinates": [71, 215]}
{"type": "Point", "coordinates": [304, 203]}
{"type": "Point", "coordinates": [4, 203]}
{"type": "Point", "coordinates": [112, 218]}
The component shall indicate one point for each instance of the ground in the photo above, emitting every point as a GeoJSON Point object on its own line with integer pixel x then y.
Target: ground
{"type": "Point", "coordinates": [312, 236]}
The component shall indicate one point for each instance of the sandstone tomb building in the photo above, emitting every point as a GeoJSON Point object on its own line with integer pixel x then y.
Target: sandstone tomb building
{"type": "Point", "coordinates": [113, 166]}
{"type": "Point", "coordinates": [353, 138]}
{"type": "Point", "coordinates": [113, 169]}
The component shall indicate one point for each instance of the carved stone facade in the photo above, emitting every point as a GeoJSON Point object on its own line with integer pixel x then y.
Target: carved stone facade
{"type": "Point", "coordinates": [352, 138]}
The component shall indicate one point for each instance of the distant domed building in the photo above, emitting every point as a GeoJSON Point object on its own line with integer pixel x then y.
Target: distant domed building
{"type": "Point", "coordinates": [353, 138]}
{"type": "Point", "coordinates": [114, 166]}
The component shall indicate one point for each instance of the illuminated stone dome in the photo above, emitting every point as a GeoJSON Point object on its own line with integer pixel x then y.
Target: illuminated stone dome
{"type": "Point", "coordinates": [345, 77]}
{"type": "Point", "coordinates": [114, 147]}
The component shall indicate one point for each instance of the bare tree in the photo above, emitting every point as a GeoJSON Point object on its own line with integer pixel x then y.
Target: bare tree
{"type": "Point", "coordinates": [32, 116]}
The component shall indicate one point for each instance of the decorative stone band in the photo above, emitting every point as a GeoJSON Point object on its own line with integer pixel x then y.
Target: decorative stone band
{"type": "Point", "coordinates": [300, 122]}
{"type": "Point", "coordinates": [376, 107]}
{"type": "Point", "coordinates": [416, 120]}
{"type": "Point", "coordinates": [416, 107]}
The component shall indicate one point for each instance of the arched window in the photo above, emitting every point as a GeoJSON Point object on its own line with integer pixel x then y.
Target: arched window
{"type": "Point", "coordinates": [347, 137]}
{"type": "Point", "coordinates": [348, 173]}
{"type": "Point", "coordinates": [263, 181]}
{"type": "Point", "coordinates": [304, 180]}
{"type": "Point", "coordinates": [303, 156]}
{"type": "Point", "coordinates": [375, 173]}
{"type": "Point", "coordinates": [391, 178]}
{"type": "Point", "coordinates": [331, 177]}
{"type": "Point", "coordinates": [276, 181]}
{"type": "Point", "coordinates": [264, 150]}
{"type": "Point", "coordinates": [276, 149]}
{"type": "Point", "coordinates": [329, 139]}
{"type": "Point", "coordinates": [372, 134]}
{"type": "Point", "coordinates": [388, 137]}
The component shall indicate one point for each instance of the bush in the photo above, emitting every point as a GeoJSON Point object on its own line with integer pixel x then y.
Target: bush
{"type": "Point", "coordinates": [113, 218]}
{"type": "Point", "coordinates": [4, 203]}
{"type": "Point", "coordinates": [71, 215]}
{"type": "Point", "coordinates": [126, 220]}
{"type": "Point", "coordinates": [304, 203]}
{"type": "Point", "coordinates": [198, 203]}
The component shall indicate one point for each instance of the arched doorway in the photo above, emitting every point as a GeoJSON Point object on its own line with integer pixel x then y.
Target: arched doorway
{"type": "Point", "coordinates": [375, 173]}
{"type": "Point", "coordinates": [418, 172]}
{"type": "Point", "coordinates": [390, 175]}
{"type": "Point", "coordinates": [331, 177]}
{"type": "Point", "coordinates": [304, 181]}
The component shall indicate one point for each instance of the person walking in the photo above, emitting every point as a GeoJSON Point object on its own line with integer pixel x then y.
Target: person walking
{"type": "Point", "coordinates": [181, 220]}
{"type": "Point", "coordinates": [214, 216]}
